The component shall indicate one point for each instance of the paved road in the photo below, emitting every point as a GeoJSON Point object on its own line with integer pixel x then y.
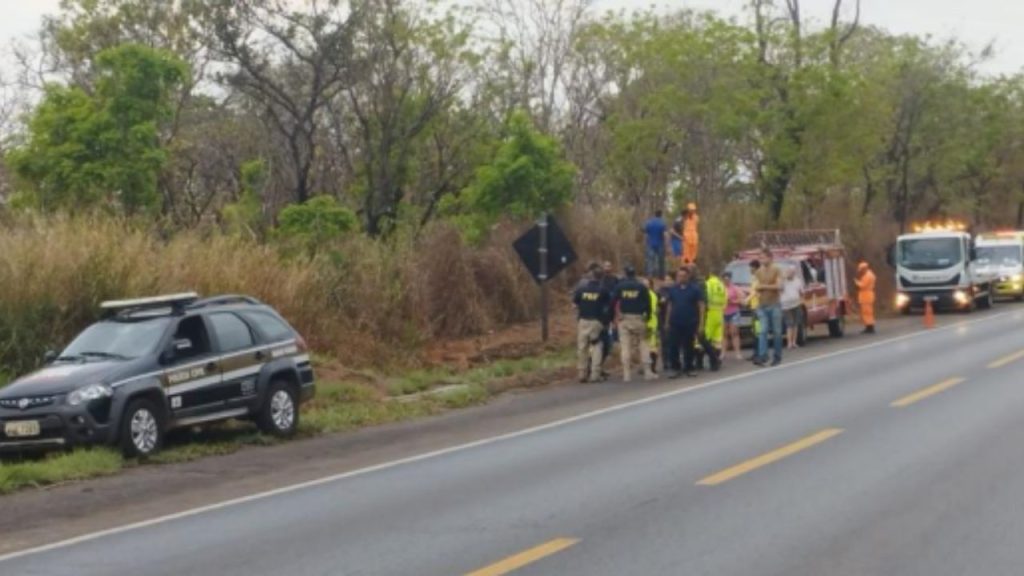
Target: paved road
{"type": "Point", "coordinates": [901, 458]}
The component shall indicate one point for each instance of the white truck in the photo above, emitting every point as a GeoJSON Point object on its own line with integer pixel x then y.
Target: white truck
{"type": "Point", "coordinates": [938, 264]}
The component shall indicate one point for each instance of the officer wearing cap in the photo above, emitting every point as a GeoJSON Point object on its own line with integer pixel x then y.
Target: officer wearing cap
{"type": "Point", "coordinates": [592, 302]}
{"type": "Point", "coordinates": [631, 302]}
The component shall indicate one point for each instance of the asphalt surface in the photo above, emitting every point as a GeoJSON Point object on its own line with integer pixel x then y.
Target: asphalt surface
{"type": "Point", "coordinates": [902, 457]}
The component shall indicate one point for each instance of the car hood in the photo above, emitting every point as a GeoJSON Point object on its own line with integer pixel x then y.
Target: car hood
{"type": "Point", "coordinates": [62, 378]}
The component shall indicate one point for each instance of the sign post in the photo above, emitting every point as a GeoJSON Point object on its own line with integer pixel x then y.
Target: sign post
{"type": "Point", "coordinates": [542, 251]}
{"type": "Point", "coordinates": [545, 251]}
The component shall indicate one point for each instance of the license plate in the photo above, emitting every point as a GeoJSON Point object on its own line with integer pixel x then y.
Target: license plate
{"type": "Point", "coordinates": [22, 429]}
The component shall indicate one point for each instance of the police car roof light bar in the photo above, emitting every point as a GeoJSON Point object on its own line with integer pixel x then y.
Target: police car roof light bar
{"type": "Point", "coordinates": [175, 301]}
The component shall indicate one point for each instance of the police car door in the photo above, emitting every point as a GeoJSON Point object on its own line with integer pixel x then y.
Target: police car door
{"type": "Point", "coordinates": [192, 377]}
{"type": "Point", "coordinates": [241, 360]}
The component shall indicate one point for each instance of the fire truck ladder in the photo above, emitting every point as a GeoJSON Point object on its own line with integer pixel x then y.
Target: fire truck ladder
{"type": "Point", "coordinates": [792, 238]}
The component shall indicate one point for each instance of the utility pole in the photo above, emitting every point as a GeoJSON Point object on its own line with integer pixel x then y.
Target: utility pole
{"type": "Point", "coordinates": [542, 252]}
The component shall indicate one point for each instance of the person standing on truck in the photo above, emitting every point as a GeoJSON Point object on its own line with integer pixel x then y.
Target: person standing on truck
{"type": "Point", "coordinates": [865, 282]}
{"type": "Point", "coordinates": [733, 302]}
{"type": "Point", "coordinates": [654, 231]}
{"type": "Point", "coordinates": [676, 237]}
{"type": "Point", "coordinates": [632, 304]}
{"type": "Point", "coordinates": [769, 310]}
{"type": "Point", "coordinates": [591, 305]}
{"type": "Point", "coordinates": [691, 238]}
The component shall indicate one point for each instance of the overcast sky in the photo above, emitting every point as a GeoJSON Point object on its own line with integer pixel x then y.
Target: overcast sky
{"type": "Point", "coordinates": [975, 22]}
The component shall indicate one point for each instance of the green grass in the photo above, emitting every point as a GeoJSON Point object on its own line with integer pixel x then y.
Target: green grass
{"type": "Point", "coordinates": [57, 468]}
{"type": "Point", "coordinates": [337, 407]}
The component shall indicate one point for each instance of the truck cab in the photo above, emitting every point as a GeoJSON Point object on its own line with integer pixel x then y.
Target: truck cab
{"type": "Point", "coordinates": [1002, 254]}
{"type": "Point", "coordinates": [937, 265]}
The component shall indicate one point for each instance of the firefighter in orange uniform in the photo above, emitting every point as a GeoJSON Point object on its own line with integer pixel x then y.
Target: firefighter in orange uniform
{"type": "Point", "coordinates": [865, 281]}
{"type": "Point", "coordinates": [690, 234]}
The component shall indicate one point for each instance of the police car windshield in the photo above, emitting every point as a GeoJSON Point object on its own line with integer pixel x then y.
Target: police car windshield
{"type": "Point", "coordinates": [930, 253]}
{"type": "Point", "coordinates": [999, 255]}
{"type": "Point", "coordinates": [120, 340]}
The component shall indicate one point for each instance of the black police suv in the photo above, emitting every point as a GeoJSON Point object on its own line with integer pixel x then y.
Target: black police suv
{"type": "Point", "coordinates": [156, 364]}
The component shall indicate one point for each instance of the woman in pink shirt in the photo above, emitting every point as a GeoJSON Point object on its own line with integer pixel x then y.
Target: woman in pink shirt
{"type": "Point", "coordinates": [734, 298]}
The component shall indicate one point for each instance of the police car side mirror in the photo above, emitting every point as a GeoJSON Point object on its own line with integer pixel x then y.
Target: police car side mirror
{"type": "Point", "coordinates": [49, 356]}
{"type": "Point", "coordinates": [177, 349]}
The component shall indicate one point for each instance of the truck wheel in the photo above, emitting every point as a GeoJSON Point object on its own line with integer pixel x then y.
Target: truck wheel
{"type": "Point", "coordinates": [836, 327]}
{"type": "Point", "coordinates": [280, 413]}
{"type": "Point", "coordinates": [142, 429]}
{"type": "Point", "coordinates": [986, 301]}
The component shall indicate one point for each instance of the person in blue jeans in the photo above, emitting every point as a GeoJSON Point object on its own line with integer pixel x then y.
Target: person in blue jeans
{"type": "Point", "coordinates": [769, 311]}
{"type": "Point", "coordinates": [654, 260]}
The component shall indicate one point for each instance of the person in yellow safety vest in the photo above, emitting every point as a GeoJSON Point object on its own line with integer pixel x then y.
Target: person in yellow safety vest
{"type": "Point", "coordinates": [714, 323]}
{"type": "Point", "coordinates": [653, 333]}
{"type": "Point", "coordinates": [865, 282]}
{"type": "Point", "coordinates": [691, 235]}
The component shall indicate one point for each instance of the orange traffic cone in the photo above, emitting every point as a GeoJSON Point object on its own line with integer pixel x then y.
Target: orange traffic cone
{"type": "Point", "coordinates": [929, 315]}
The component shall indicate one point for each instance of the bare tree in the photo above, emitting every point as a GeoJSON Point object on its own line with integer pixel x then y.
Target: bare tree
{"type": "Point", "coordinates": [534, 39]}
{"type": "Point", "coordinates": [291, 62]}
{"type": "Point", "coordinates": [410, 68]}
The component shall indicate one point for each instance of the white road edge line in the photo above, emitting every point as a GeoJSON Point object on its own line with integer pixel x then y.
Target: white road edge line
{"type": "Point", "coordinates": [475, 444]}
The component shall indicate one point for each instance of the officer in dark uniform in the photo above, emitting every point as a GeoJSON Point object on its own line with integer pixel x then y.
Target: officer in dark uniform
{"type": "Point", "coordinates": [686, 308]}
{"type": "Point", "coordinates": [592, 303]}
{"type": "Point", "coordinates": [631, 302]}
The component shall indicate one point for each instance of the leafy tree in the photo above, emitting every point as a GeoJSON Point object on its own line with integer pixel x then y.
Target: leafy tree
{"type": "Point", "coordinates": [527, 177]}
{"type": "Point", "coordinates": [316, 223]}
{"type": "Point", "coordinates": [102, 148]}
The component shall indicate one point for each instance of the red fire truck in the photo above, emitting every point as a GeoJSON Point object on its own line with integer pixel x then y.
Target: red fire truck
{"type": "Point", "coordinates": [820, 261]}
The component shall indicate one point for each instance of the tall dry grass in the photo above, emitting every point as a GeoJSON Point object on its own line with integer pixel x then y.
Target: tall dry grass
{"type": "Point", "coordinates": [362, 301]}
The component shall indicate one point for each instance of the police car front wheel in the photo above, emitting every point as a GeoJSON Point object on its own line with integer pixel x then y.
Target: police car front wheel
{"type": "Point", "coordinates": [142, 430]}
{"type": "Point", "coordinates": [280, 414]}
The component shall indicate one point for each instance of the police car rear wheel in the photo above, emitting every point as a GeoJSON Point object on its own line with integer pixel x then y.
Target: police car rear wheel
{"type": "Point", "coordinates": [142, 431]}
{"type": "Point", "coordinates": [280, 414]}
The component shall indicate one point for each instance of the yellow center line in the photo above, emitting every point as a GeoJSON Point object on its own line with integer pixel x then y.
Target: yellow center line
{"type": "Point", "coordinates": [1007, 360]}
{"type": "Point", "coordinates": [769, 457]}
{"type": "Point", "coordinates": [926, 392]}
{"type": "Point", "coordinates": [521, 559]}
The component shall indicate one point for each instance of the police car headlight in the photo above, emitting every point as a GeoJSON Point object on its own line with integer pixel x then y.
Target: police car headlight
{"type": "Point", "coordinates": [1017, 278]}
{"type": "Point", "coordinates": [961, 297]}
{"type": "Point", "coordinates": [902, 300]}
{"type": "Point", "coordinates": [89, 393]}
